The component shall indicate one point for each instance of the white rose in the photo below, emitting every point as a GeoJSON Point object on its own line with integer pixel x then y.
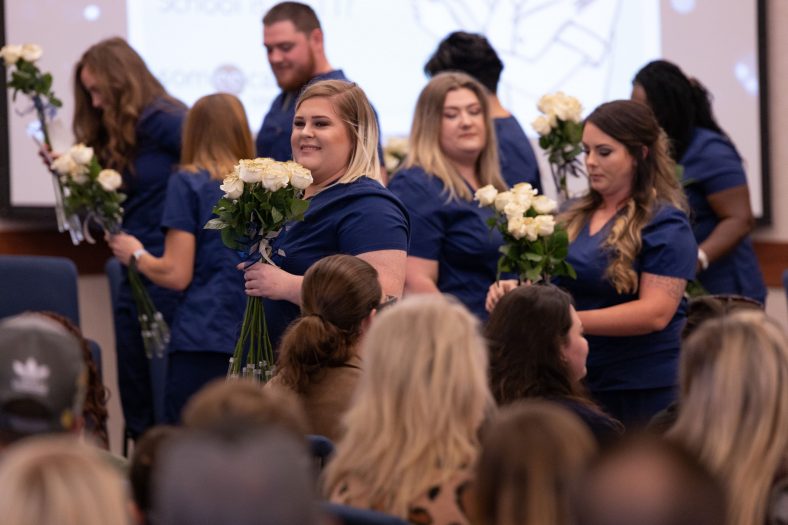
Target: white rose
{"type": "Point", "coordinates": [531, 230]}
{"type": "Point", "coordinates": [523, 200]}
{"type": "Point", "coordinates": [486, 195]}
{"type": "Point", "coordinates": [79, 174]}
{"type": "Point", "coordinates": [276, 176]}
{"type": "Point", "coordinates": [11, 54]}
{"type": "Point", "coordinates": [110, 180]}
{"type": "Point", "coordinates": [543, 205]}
{"type": "Point", "coordinates": [541, 125]}
{"type": "Point", "coordinates": [31, 52]}
{"type": "Point", "coordinates": [64, 164]}
{"type": "Point", "coordinates": [81, 154]}
{"type": "Point", "coordinates": [516, 227]}
{"type": "Point", "coordinates": [251, 170]}
{"type": "Point", "coordinates": [397, 146]}
{"type": "Point", "coordinates": [514, 209]}
{"type": "Point", "coordinates": [544, 225]}
{"type": "Point", "coordinates": [390, 161]}
{"type": "Point", "coordinates": [502, 199]}
{"type": "Point", "coordinates": [546, 104]}
{"type": "Point", "coordinates": [300, 177]}
{"type": "Point", "coordinates": [232, 186]}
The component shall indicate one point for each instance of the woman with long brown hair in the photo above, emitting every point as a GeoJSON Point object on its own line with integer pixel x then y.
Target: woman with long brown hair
{"type": "Point", "coordinates": [319, 358]}
{"type": "Point", "coordinates": [134, 126]}
{"type": "Point", "coordinates": [195, 261]}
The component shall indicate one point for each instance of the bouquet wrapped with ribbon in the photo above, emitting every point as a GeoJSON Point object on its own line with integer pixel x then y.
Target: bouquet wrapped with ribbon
{"type": "Point", "coordinates": [261, 196]}
{"type": "Point", "coordinates": [535, 246]}
{"type": "Point", "coordinates": [92, 193]}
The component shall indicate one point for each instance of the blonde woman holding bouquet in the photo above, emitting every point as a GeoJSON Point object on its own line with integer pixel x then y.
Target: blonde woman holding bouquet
{"type": "Point", "coordinates": [134, 126]}
{"type": "Point", "coordinates": [335, 135]}
{"type": "Point", "coordinates": [195, 261]}
{"type": "Point", "coordinates": [452, 154]}
{"type": "Point", "coordinates": [633, 250]}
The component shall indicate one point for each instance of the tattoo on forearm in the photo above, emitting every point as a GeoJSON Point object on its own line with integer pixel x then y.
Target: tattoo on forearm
{"type": "Point", "coordinates": [672, 285]}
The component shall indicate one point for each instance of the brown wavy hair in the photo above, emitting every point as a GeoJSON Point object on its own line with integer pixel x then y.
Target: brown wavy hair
{"type": "Point", "coordinates": [338, 293]}
{"type": "Point", "coordinates": [94, 409]}
{"type": "Point", "coordinates": [655, 182]}
{"type": "Point", "coordinates": [126, 86]}
{"type": "Point", "coordinates": [216, 135]}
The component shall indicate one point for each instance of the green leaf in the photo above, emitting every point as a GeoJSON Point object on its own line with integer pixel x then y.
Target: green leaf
{"type": "Point", "coordinates": [215, 224]}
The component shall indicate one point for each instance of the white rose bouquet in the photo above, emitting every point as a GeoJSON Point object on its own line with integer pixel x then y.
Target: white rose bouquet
{"type": "Point", "coordinates": [535, 246]}
{"type": "Point", "coordinates": [560, 132]}
{"type": "Point", "coordinates": [394, 152]}
{"type": "Point", "coordinates": [261, 196]}
{"type": "Point", "coordinates": [92, 192]}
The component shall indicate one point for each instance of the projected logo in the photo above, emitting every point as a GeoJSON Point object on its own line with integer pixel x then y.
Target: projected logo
{"type": "Point", "coordinates": [228, 78]}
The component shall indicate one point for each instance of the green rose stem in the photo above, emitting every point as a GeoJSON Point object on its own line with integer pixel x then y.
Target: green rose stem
{"type": "Point", "coordinates": [255, 343]}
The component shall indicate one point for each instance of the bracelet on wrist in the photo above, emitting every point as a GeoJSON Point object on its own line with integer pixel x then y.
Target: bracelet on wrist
{"type": "Point", "coordinates": [703, 259]}
{"type": "Point", "coordinates": [138, 253]}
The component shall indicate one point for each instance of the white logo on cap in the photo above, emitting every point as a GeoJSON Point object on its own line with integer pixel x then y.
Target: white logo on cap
{"type": "Point", "coordinates": [31, 377]}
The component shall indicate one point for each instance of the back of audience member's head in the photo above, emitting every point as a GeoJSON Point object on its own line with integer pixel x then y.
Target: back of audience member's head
{"type": "Point", "coordinates": [533, 454]}
{"type": "Point", "coordinates": [42, 378]}
{"type": "Point", "coordinates": [527, 332]}
{"type": "Point", "coordinates": [470, 53]}
{"type": "Point", "coordinates": [422, 397]}
{"type": "Point", "coordinates": [734, 406]}
{"type": "Point", "coordinates": [242, 403]}
{"type": "Point", "coordinates": [56, 479]}
{"type": "Point", "coordinates": [94, 409]}
{"type": "Point", "coordinates": [705, 307]}
{"type": "Point", "coordinates": [147, 454]}
{"type": "Point", "coordinates": [338, 295]}
{"type": "Point", "coordinates": [260, 478]}
{"type": "Point", "coordinates": [645, 480]}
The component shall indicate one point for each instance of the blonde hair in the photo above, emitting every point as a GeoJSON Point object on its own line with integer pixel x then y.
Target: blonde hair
{"type": "Point", "coordinates": [655, 183]}
{"type": "Point", "coordinates": [127, 87]}
{"type": "Point", "coordinates": [56, 479]}
{"type": "Point", "coordinates": [216, 135]}
{"type": "Point", "coordinates": [533, 454]}
{"type": "Point", "coordinates": [353, 107]}
{"type": "Point", "coordinates": [422, 397]}
{"type": "Point", "coordinates": [734, 407]}
{"type": "Point", "coordinates": [424, 149]}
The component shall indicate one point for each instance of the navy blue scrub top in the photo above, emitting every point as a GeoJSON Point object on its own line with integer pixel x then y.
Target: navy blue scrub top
{"type": "Point", "coordinates": [711, 165]}
{"type": "Point", "coordinates": [518, 162]}
{"type": "Point", "coordinates": [452, 233]}
{"type": "Point", "coordinates": [158, 153]}
{"type": "Point", "coordinates": [209, 315]}
{"type": "Point", "coordinates": [354, 218]}
{"type": "Point", "coordinates": [643, 361]}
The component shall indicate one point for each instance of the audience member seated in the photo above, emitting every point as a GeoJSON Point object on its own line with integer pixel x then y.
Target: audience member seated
{"type": "Point", "coordinates": [699, 310]}
{"type": "Point", "coordinates": [649, 481]}
{"type": "Point", "coordinates": [533, 455]}
{"type": "Point", "coordinates": [411, 436]}
{"type": "Point", "coordinates": [144, 461]}
{"type": "Point", "coordinates": [245, 404]}
{"type": "Point", "coordinates": [319, 357]}
{"type": "Point", "coordinates": [537, 349]}
{"type": "Point", "coordinates": [42, 378]}
{"type": "Point", "coordinates": [452, 153]}
{"type": "Point", "coordinates": [250, 477]}
{"type": "Point", "coordinates": [734, 408]}
{"type": "Point", "coordinates": [472, 53]}
{"type": "Point", "coordinates": [57, 479]}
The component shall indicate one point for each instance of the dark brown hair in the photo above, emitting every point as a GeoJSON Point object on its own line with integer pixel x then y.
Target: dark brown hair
{"type": "Point", "coordinates": [338, 293]}
{"type": "Point", "coordinates": [94, 409]}
{"type": "Point", "coordinates": [126, 86]}
{"type": "Point", "coordinates": [525, 334]}
{"type": "Point", "coordinates": [301, 15]}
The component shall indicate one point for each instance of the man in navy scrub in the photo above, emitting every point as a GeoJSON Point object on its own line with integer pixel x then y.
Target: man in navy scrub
{"type": "Point", "coordinates": [472, 54]}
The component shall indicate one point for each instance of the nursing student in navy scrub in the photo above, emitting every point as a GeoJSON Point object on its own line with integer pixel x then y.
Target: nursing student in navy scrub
{"type": "Point", "coordinates": [452, 153]}
{"type": "Point", "coordinates": [293, 39]}
{"type": "Point", "coordinates": [633, 249]}
{"type": "Point", "coordinates": [335, 135]}
{"type": "Point", "coordinates": [472, 54]}
{"type": "Point", "coordinates": [713, 178]}
{"type": "Point", "coordinates": [203, 334]}
{"type": "Point", "coordinates": [134, 126]}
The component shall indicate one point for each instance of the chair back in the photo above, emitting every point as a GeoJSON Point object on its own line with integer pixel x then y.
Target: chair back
{"type": "Point", "coordinates": [31, 282]}
{"type": "Point", "coordinates": [347, 515]}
